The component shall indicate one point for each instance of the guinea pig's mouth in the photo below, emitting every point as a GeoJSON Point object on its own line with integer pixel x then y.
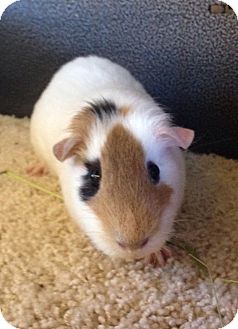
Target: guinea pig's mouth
{"type": "Point", "coordinates": [140, 253]}
{"type": "Point", "coordinates": [151, 244]}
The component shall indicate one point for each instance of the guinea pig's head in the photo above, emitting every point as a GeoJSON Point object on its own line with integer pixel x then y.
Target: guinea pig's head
{"type": "Point", "coordinates": [130, 177]}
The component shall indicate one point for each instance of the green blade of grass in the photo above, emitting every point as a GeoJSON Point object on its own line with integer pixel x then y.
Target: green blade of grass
{"type": "Point", "coordinates": [190, 250]}
{"type": "Point", "coordinates": [198, 260]}
{"type": "Point", "coordinates": [30, 183]}
{"type": "Point", "coordinates": [230, 281]}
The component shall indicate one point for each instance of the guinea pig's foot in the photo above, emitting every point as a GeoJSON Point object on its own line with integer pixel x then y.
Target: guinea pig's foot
{"type": "Point", "coordinates": [37, 170]}
{"type": "Point", "coordinates": [159, 259]}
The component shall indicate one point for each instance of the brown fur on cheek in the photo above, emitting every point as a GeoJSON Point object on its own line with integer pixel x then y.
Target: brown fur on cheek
{"type": "Point", "coordinates": [128, 204]}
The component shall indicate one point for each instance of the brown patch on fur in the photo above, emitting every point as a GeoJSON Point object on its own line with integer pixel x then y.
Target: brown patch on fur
{"type": "Point", "coordinates": [80, 127]}
{"type": "Point", "coordinates": [124, 111]}
{"type": "Point", "coordinates": [127, 202]}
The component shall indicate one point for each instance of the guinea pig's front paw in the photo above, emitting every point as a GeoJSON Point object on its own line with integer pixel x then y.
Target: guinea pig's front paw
{"type": "Point", "coordinates": [37, 170]}
{"type": "Point", "coordinates": [159, 258]}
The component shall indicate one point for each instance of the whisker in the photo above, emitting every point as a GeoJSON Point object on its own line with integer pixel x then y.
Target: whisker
{"type": "Point", "coordinates": [181, 220]}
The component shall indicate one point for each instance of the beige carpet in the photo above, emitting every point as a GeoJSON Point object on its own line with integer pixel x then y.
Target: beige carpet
{"type": "Point", "coordinates": [52, 277]}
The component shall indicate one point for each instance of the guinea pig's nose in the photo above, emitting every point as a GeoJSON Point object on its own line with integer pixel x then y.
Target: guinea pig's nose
{"type": "Point", "coordinates": [144, 242]}
{"type": "Point", "coordinates": [122, 244]}
{"type": "Point", "coordinates": [140, 244]}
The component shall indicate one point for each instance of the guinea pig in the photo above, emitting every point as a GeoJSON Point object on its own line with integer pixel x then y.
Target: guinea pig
{"type": "Point", "coordinates": [117, 156]}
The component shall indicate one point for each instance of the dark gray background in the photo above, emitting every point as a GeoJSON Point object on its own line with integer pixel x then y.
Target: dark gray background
{"type": "Point", "coordinates": [185, 56]}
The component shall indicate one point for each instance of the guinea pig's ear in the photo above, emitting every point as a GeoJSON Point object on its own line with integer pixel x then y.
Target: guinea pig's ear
{"type": "Point", "coordinates": [177, 136]}
{"type": "Point", "coordinates": [65, 148]}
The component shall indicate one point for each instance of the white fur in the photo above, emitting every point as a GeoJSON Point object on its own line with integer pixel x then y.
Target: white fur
{"type": "Point", "coordinates": [91, 78]}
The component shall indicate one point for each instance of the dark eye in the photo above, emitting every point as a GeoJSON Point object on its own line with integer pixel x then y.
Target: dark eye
{"type": "Point", "coordinates": [154, 172]}
{"type": "Point", "coordinates": [95, 174]}
{"type": "Point", "coordinates": [91, 181]}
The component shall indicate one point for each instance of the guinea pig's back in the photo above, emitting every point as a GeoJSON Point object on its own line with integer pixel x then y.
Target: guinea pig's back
{"type": "Point", "coordinates": [74, 83]}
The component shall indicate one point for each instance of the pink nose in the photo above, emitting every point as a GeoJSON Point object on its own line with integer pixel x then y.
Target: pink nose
{"type": "Point", "coordinates": [125, 245]}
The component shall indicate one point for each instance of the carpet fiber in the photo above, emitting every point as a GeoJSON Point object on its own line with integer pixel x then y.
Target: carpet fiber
{"type": "Point", "coordinates": [52, 277]}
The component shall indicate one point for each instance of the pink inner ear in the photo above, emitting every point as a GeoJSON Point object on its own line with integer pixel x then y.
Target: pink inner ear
{"type": "Point", "coordinates": [177, 136]}
{"type": "Point", "coordinates": [63, 149]}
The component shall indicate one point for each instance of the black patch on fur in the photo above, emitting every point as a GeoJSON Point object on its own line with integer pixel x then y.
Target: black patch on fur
{"type": "Point", "coordinates": [103, 108]}
{"type": "Point", "coordinates": [91, 181]}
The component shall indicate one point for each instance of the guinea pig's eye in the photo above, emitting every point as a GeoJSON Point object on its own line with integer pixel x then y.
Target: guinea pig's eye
{"type": "Point", "coordinates": [91, 181]}
{"type": "Point", "coordinates": [154, 172]}
{"type": "Point", "coordinates": [95, 174]}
